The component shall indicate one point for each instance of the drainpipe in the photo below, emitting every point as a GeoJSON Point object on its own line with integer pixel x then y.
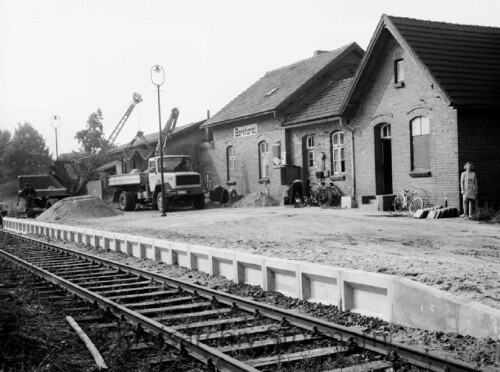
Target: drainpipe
{"type": "Point", "coordinates": [353, 156]}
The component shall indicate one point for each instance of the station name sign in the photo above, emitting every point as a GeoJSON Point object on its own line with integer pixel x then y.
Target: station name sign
{"type": "Point", "coordinates": [247, 130]}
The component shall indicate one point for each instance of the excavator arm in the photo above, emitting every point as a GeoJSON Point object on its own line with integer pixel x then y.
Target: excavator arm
{"type": "Point", "coordinates": [167, 130]}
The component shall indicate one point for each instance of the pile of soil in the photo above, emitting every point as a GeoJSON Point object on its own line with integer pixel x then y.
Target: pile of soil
{"type": "Point", "coordinates": [76, 208]}
{"type": "Point", "coordinates": [256, 199]}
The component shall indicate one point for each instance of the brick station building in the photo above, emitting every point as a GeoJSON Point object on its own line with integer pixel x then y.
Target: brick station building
{"type": "Point", "coordinates": [257, 142]}
{"type": "Point", "coordinates": [424, 101]}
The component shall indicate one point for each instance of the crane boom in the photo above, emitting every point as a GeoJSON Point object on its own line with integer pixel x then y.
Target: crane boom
{"type": "Point", "coordinates": [136, 98]}
{"type": "Point", "coordinates": [168, 129]}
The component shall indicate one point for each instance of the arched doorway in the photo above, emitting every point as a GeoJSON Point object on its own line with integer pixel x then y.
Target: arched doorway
{"type": "Point", "coordinates": [383, 159]}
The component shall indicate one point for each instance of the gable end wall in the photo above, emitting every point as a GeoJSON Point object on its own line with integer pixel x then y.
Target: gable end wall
{"type": "Point", "coordinates": [383, 102]}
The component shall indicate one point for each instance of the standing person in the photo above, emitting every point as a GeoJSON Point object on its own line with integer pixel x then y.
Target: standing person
{"type": "Point", "coordinates": [28, 194]}
{"type": "Point", "coordinates": [468, 185]}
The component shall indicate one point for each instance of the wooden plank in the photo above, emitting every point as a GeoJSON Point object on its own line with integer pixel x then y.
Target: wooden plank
{"type": "Point", "coordinates": [199, 314]}
{"type": "Point", "coordinates": [109, 281]}
{"type": "Point", "coordinates": [210, 323]}
{"type": "Point", "coordinates": [91, 275]}
{"type": "Point", "coordinates": [66, 264]}
{"type": "Point", "coordinates": [272, 341]}
{"type": "Point", "coordinates": [141, 295]}
{"type": "Point", "coordinates": [292, 357]}
{"type": "Point", "coordinates": [236, 333]}
{"type": "Point", "coordinates": [160, 302]}
{"type": "Point", "coordinates": [127, 290]}
{"type": "Point", "coordinates": [90, 346]}
{"type": "Point", "coordinates": [97, 279]}
{"type": "Point", "coordinates": [365, 367]}
{"type": "Point", "coordinates": [175, 308]}
{"type": "Point", "coordinates": [110, 287]}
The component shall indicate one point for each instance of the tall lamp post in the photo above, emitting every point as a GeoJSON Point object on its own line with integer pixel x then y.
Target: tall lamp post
{"type": "Point", "coordinates": [158, 78]}
{"type": "Point", "coordinates": [56, 122]}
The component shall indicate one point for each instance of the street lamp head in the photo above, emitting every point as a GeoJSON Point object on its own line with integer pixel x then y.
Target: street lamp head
{"type": "Point", "coordinates": [157, 75]}
{"type": "Point", "coordinates": [55, 121]}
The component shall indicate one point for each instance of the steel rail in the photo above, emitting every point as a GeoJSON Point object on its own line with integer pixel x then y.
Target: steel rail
{"type": "Point", "coordinates": [203, 353]}
{"type": "Point", "coordinates": [415, 356]}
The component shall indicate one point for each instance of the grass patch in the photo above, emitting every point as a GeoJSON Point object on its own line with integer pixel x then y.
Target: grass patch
{"type": "Point", "coordinates": [486, 214]}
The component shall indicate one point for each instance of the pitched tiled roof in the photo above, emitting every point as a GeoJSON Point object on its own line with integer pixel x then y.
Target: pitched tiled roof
{"type": "Point", "coordinates": [324, 102]}
{"type": "Point", "coordinates": [277, 87]}
{"type": "Point", "coordinates": [464, 59]}
{"type": "Point", "coordinates": [153, 137]}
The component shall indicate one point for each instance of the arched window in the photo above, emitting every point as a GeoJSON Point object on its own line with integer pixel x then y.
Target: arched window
{"type": "Point", "coordinates": [263, 159]}
{"type": "Point", "coordinates": [310, 150]}
{"type": "Point", "coordinates": [420, 143]}
{"type": "Point", "coordinates": [385, 131]}
{"type": "Point", "coordinates": [231, 163]}
{"type": "Point", "coordinates": [338, 152]}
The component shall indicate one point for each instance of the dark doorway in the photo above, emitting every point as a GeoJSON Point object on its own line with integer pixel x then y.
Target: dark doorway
{"type": "Point", "coordinates": [387, 166]}
{"type": "Point", "coordinates": [383, 159]}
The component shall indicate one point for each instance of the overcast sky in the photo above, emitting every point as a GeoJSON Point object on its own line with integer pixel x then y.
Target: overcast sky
{"type": "Point", "coordinates": [71, 57]}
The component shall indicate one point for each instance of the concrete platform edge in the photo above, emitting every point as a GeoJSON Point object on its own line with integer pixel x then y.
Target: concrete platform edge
{"type": "Point", "coordinates": [394, 299]}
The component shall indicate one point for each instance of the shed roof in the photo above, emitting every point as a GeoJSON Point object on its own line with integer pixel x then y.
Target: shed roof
{"type": "Point", "coordinates": [278, 87]}
{"type": "Point", "coordinates": [153, 137]}
{"type": "Point", "coordinates": [463, 60]}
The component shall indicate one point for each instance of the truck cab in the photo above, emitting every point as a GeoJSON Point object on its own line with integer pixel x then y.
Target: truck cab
{"type": "Point", "coordinates": [182, 184]}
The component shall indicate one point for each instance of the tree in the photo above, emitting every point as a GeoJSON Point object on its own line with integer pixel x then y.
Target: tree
{"type": "Point", "coordinates": [26, 153]}
{"type": "Point", "coordinates": [92, 138]}
{"type": "Point", "coordinates": [4, 142]}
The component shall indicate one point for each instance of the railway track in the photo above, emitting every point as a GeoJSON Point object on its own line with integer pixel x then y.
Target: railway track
{"type": "Point", "coordinates": [222, 331]}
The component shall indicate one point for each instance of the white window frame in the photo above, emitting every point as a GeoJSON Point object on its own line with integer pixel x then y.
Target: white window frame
{"type": "Point", "coordinates": [399, 72]}
{"type": "Point", "coordinates": [385, 131]}
{"type": "Point", "coordinates": [231, 163]}
{"type": "Point", "coordinates": [310, 150]}
{"type": "Point", "coordinates": [419, 126]}
{"type": "Point", "coordinates": [338, 152]}
{"type": "Point", "coordinates": [263, 159]}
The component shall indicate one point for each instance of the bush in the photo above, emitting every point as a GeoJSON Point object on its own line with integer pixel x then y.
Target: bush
{"type": "Point", "coordinates": [486, 214]}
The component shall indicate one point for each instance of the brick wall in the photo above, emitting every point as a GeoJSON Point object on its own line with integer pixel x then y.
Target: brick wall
{"type": "Point", "coordinates": [247, 156]}
{"type": "Point", "coordinates": [479, 143]}
{"type": "Point", "coordinates": [322, 144]}
{"type": "Point", "coordinates": [382, 102]}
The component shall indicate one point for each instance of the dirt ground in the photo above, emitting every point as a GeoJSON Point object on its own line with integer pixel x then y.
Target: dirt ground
{"type": "Point", "coordinates": [455, 255]}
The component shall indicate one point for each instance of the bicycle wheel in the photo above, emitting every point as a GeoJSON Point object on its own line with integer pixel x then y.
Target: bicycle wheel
{"type": "Point", "coordinates": [324, 197]}
{"type": "Point", "coordinates": [416, 204]}
{"type": "Point", "coordinates": [399, 202]}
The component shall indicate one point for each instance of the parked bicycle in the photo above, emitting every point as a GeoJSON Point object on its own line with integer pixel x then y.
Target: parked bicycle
{"type": "Point", "coordinates": [410, 200]}
{"type": "Point", "coordinates": [323, 195]}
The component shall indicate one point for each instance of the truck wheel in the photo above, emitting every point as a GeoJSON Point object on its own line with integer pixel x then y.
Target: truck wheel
{"type": "Point", "coordinates": [159, 204]}
{"type": "Point", "coordinates": [199, 202]}
{"type": "Point", "coordinates": [50, 203]}
{"type": "Point", "coordinates": [126, 201]}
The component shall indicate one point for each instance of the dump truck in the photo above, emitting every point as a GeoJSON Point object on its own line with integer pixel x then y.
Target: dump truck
{"type": "Point", "coordinates": [182, 185]}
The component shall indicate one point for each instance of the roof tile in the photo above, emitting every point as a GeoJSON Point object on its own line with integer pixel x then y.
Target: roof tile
{"type": "Point", "coordinates": [464, 59]}
{"type": "Point", "coordinates": [275, 87]}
